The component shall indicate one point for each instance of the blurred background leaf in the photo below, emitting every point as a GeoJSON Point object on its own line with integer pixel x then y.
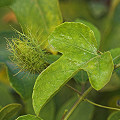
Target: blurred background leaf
{"type": "Point", "coordinates": [114, 116]}
{"type": "Point", "coordinates": [9, 111]}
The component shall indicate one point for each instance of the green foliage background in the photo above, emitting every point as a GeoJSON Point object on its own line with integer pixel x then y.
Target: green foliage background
{"type": "Point", "coordinates": [105, 15]}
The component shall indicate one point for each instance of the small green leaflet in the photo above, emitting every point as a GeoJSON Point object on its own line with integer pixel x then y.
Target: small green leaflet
{"type": "Point", "coordinates": [9, 111]}
{"type": "Point", "coordinates": [28, 117]}
{"type": "Point", "coordinates": [78, 45]}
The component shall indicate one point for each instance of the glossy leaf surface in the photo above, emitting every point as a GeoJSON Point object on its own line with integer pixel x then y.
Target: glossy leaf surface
{"type": "Point", "coordinates": [77, 43]}
{"type": "Point", "coordinates": [93, 28]}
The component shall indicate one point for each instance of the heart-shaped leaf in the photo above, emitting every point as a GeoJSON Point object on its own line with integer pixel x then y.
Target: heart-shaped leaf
{"type": "Point", "coordinates": [78, 45]}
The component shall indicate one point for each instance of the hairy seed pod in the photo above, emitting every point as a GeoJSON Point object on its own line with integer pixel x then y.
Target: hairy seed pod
{"type": "Point", "coordinates": [27, 55]}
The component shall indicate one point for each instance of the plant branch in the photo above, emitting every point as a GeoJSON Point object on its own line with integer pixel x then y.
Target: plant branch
{"type": "Point", "coordinates": [74, 89]}
{"type": "Point", "coordinates": [106, 107]}
{"type": "Point", "coordinates": [81, 98]}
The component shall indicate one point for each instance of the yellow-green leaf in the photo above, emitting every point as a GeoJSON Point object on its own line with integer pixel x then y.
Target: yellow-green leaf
{"type": "Point", "coordinates": [78, 45]}
{"type": "Point", "coordinates": [28, 117]}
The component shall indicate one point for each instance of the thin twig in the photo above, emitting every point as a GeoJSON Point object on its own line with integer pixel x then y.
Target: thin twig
{"type": "Point", "coordinates": [102, 106]}
{"type": "Point", "coordinates": [74, 89]}
{"type": "Point", "coordinates": [81, 98]}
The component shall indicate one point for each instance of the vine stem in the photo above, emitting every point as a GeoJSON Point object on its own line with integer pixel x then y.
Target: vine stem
{"type": "Point", "coordinates": [102, 106]}
{"type": "Point", "coordinates": [81, 98]}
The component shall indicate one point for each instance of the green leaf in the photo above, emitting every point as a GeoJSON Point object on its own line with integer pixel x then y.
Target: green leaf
{"type": "Point", "coordinates": [111, 37]}
{"type": "Point", "coordinates": [84, 111]}
{"type": "Point", "coordinates": [28, 117]}
{"type": "Point", "coordinates": [93, 28]}
{"type": "Point", "coordinates": [9, 111]}
{"type": "Point", "coordinates": [22, 82]}
{"type": "Point", "coordinates": [6, 2]}
{"type": "Point", "coordinates": [115, 55]}
{"type": "Point", "coordinates": [100, 70]}
{"type": "Point", "coordinates": [6, 98]}
{"type": "Point", "coordinates": [77, 43]}
{"type": "Point", "coordinates": [81, 76]}
{"type": "Point", "coordinates": [37, 18]}
{"type": "Point", "coordinates": [114, 116]}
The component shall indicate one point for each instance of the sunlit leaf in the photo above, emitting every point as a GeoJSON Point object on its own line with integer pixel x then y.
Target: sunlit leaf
{"type": "Point", "coordinates": [9, 111]}
{"type": "Point", "coordinates": [78, 45]}
{"type": "Point", "coordinates": [93, 28]}
{"type": "Point", "coordinates": [81, 76]}
{"type": "Point", "coordinates": [28, 117]}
